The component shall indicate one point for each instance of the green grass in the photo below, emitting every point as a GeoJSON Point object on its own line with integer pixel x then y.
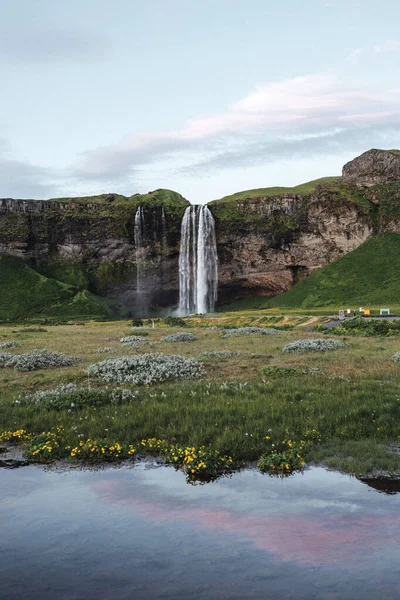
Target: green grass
{"type": "Point", "coordinates": [26, 294]}
{"type": "Point", "coordinates": [303, 188]}
{"type": "Point", "coordinates": [351, 396]}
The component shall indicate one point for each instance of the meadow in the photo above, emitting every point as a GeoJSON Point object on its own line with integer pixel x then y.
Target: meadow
{"type": "Point", "coordinates": [254, 403]}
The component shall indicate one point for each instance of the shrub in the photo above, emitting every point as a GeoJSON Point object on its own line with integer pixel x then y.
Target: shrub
{"type": "Point", "coordinates": [314, 345]}
{"type": "Point", "coordinates": [133, 340]}
{"type": "Point", "coordinates": [10, 344]}
{"type": "Point", "coordinates": [180, 336]}
{"type": "Point", "coordinates": [7, 359]}
{"type": "Point", "coordinates": [284, 458]}
{"type": "Point", "coordinates": [41, 359]}
{"type": "Point", "coordinates": [219, 354]}
{"type": "Point", "coordinates": [147, 368]}
{"type": "Point", "coordinates": [174, 322]}
{"type": "Point", "coordinates": [278, 371]}
{"type": "Point", "coordinates": [242, 331]}
{"type": "Point", "coordinates": [137, 322]}
{"type": "Point", "coordinates": [69, 396]}
{"type": "Point", "coordinates": [363, 327]}
{"type": "Point", "coordinates": [396, 357]}
{"type": "Point", "coordinates": [104, 350]}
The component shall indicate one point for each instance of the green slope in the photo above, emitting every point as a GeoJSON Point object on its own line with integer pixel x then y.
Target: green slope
{"type": "Point", "coordinates": [367, 276]}
{"type": "Point", "coordinates": [303, 188]}
{"type": "Point", "coordinates": [27, 294]}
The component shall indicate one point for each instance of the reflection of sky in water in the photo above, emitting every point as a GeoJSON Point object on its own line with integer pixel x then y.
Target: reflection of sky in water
{"type": "Point", "coordinates": [144, 533]}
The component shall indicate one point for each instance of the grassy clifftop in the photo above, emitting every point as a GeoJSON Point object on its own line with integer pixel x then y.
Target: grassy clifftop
{"type": "Point", "coordinates": [369, 275]}
{"type": "Point", "coordinates": [154, 198]}
{"type": "Point", "coordinates": [304, 188]}
{"type": "Point", "coordinates": [26, 294]}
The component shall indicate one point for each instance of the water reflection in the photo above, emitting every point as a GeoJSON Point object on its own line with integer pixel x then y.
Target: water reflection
{"type": "Point", "coordinates": [143, 533]}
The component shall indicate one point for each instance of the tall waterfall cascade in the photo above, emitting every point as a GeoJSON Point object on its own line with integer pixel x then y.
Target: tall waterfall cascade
{"type": "Point", "coordinates": [198, 262]}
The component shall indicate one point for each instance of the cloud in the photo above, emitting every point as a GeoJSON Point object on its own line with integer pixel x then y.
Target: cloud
{"type": "Point", "coordinates": [370, 52]}
{"type": "Point", "coordinates": [21, 179]}
{"type": "Point", "coordinates": [276, 120]}
{"type": "Point", "coordinates": [55, 45]}
{"type": "Point", "coordinates": [387, 47]}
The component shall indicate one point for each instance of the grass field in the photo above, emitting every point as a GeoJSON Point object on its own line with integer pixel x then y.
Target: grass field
{"type": "Point", "coordinates": [351, 397]}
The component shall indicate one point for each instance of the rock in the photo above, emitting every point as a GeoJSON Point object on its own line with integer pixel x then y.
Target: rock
{"type": "Point", "coordinates": [373, 167]}
{"type": "Point", "coordinates": [12, 458]}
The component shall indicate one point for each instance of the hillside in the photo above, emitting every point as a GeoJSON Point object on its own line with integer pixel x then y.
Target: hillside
{"type": "Point", "coordinates": [26, 294]}
{"type": "Point", "coordinates": [303, 188]}
{"type": "Point", "coordinates": [369, 275]}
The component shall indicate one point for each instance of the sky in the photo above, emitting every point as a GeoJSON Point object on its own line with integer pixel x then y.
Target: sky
{"type": "Point", "coordinates": [207, 98]}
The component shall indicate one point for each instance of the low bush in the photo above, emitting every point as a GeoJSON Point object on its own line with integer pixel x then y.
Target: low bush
{"type": "Point", "coordinates": [219, 354]}
{"type": "Point", "coordinates": [180, 336]}
{"type": "Point", "coordinates": [363, 327]}
{"type": "Point", "coordinates": [41, 359]}
{"type": "Point", "coordinates": [396, 357]}
{"type": "Point", "coordinates": [70, 397]}
{"type": "Point", "coordinates": [6, 359]}
{"type": "Point", "coordinates": [137, 322]}
{"type": "Point", "coordinates": [314, 345]}
{"type": "Point", "coordinates": [174, 322]}
{"type": "Point", "coordinates": [133, 340]}
{"type": "Point", "coordinates": [278, 371]}
{"type": "Point", "coordinates": [104, 350]}
{"type": "Point", "coordinates": [147, 369]}
{"type": "Point", "coordinates": [242, 331]}
{"type": "Point", "coordinates": [11, 344]}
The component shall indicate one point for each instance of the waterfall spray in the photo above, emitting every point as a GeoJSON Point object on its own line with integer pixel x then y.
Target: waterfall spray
{"type": "Point", "coordinates": [198, 261]}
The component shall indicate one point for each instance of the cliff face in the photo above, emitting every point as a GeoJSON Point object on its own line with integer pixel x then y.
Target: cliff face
{"type": "Point", "coordinates": [267, 239]}
{"type": "Point", "coordinates": [283, 239]}
{"type": "Point", "coordinates": [92, 244]}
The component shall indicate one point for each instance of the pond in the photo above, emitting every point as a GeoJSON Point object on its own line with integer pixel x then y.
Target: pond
{"type": "Point", "coordinates": [143, 533]}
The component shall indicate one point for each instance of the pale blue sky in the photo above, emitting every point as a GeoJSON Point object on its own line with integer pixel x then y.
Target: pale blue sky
{"type": "Point", "coordinates": [206, 98]}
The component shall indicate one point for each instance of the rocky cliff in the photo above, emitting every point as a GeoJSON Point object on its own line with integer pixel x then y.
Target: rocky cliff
{"type": "Point", "coordinates": [271, 239]}
{"type": "Point", "coordinates": [267, 239]}
{"type": "Point", "coordinates": [373, 167]}
{"type": "Point", "coordinates": [90, 243]}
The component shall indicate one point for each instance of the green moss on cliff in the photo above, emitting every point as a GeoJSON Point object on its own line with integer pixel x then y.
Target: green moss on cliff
{"type": "Point", "coordinates": [26, 294]}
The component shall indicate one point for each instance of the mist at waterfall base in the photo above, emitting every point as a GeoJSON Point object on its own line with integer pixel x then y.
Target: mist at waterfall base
{"type": "Point", "coordinates": [198, 262]}
{"type": "Point", "coordinates": [197, 267]}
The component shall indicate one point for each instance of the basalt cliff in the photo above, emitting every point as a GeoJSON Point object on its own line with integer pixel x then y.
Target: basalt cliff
{"type": "Point", "coordinates": [267, 239]}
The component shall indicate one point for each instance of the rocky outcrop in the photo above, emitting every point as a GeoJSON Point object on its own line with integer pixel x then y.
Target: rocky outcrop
{"type": "Point", "coordinates": [372, 168]}
{"type": "Point", "coordinates": [283, 239]}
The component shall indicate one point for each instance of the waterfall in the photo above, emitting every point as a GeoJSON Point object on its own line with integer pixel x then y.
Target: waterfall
{"type": "Point", "coordinates": [164, 239]}
{"type": "Point", "coordinates": [138, 235]}
{"type": "Point", "coordinates": [198, 262]}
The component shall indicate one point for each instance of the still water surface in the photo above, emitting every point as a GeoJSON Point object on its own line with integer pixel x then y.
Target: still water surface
{"type": "Point", "coordinates": [143, 533]}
